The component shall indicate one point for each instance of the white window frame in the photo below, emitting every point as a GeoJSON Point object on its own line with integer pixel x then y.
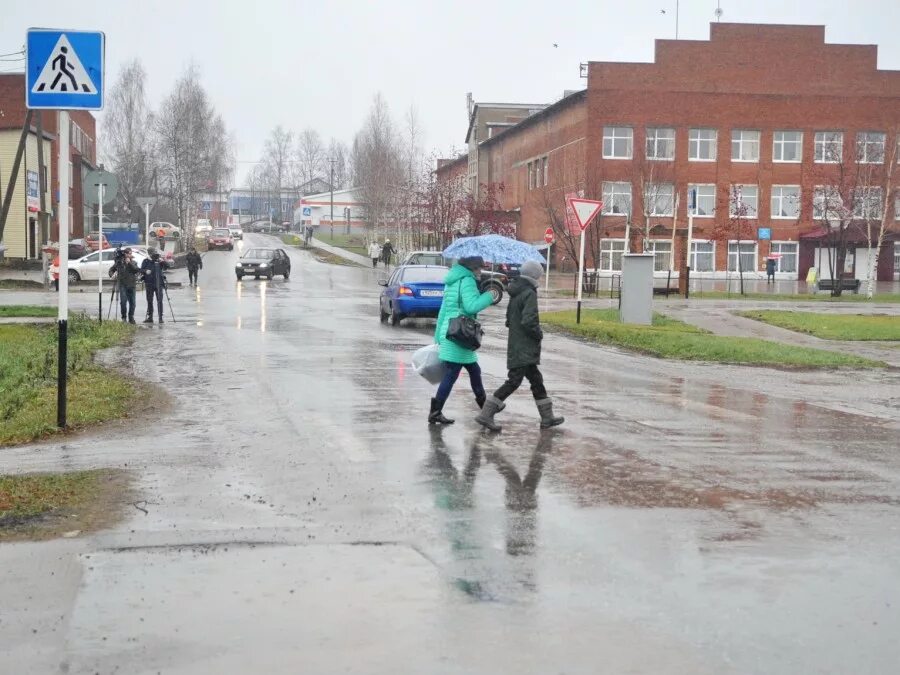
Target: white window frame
{"type": "Point", "coordinates": [695, 141]}
{"type": "Point", "coordinates": [825, 140]}
{"type": "Point", "coordinates": [545, 165]}
{"type": "Point", "coordinates": [862, 194]}
{"type": "Point", "coordinates": [795, 255]}
{"type": "Point", "coordinates": [779, 142]}
{"type": "Point", "coordinates": [711, 253]}
{"type": "Point", "coordinates": [710, 186]}
{"type": "Point", "coordinates": [752, 213]}
{"type": "Point", "coordinates": [821, 195]}
{"type": "Point", "coordinates": [737, 137]}
{"type": "Point", "coordinates": [655, 140]}
{"type": "Point", "coordinates": [657, 262]}
{"type": "Point", "coordinates": [740, 252]}
{"type": "Point", "coordinates": [864, 139]}
{"type": "Point", "coordinates": [610, 193]}
{"type": "Point", "coordinates": [614, 134]}
{"type": "Point", "coordinates": [611, 250]}
{"type": "Point", "coordinates": [897, 205]}
{"type": "Point", "coordinates": [655, 193]}
{"type": "Point", "coordinates": [778, 195]}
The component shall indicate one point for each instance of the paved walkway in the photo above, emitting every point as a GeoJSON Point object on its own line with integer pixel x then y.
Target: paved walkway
{"type": "Point", "coordinates": [343, 253]}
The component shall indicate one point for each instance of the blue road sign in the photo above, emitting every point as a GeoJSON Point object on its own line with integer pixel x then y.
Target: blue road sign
{"type": "Point", "coordinates": [206, 206]}
{"type": "Point", "coordinates": [64, 70]}
{"type": "Point", "coordinates": [307, 211]}
{"type": "Point", "coordinates": [764, 233]}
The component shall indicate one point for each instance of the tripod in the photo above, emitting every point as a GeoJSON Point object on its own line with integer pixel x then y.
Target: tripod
{"type": "Point", "coordinates": [112, 299]}
{"type": "Point", "coordinates": [171, 311]}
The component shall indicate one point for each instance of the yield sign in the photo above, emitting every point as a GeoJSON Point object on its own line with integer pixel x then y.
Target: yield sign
{"type": "Point", "coordinates": [585, 211]}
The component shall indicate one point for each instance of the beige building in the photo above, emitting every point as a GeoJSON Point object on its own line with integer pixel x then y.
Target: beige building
{"type": "Point", "coordinates": [23, 235]}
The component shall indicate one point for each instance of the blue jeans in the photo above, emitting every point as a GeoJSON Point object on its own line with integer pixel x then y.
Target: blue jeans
{"type": "Point", "coordinates": [453, 371]}
{"type": "Point", "coordinates": [126, 302]}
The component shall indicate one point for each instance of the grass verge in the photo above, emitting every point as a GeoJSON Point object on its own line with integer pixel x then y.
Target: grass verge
{"type": "Point", "coordinates": [39, 506]}
{"type": "Point", "coordinates": [15, 311]}
{"type": "Point", "coordinates": [28, 378]}
{"type": "Point", "coordinates": [790, 297]}
{"type": "Point", "coordinates": [292, 240]}
{"type": "Point", "coordinates": [331, 258]}
{"type": "Point", "coordinates": [671, 339]}
{"type": "Point", "coordinates": [832, 326]}
{"type": "Point", "coordinates": [20, 285]}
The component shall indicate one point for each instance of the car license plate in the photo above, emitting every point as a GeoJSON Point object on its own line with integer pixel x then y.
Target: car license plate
{"type": "Point", "coordinates": [431, 294]}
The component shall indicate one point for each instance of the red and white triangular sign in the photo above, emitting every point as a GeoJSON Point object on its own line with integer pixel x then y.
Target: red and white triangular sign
{"type": "Point", "coordinates": [585, 210]}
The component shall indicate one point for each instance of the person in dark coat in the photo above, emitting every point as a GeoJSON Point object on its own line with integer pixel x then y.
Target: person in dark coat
{"type": "Point", "coordinates": [194, 265]}
{"type": "Point", "coordinates": [523, 351]}
{"type": "Point", "coordinates": [387, 251]}
{"type": "Point", "coordinates": [770, 270]}
{"type": "Point", "coordinates": [153, 270]}
{"type": "Point", "coordinates": [126, 272]}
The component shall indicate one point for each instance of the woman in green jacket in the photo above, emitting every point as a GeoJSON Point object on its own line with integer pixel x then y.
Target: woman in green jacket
{"type": "Point", "coordinates": [461, 297]}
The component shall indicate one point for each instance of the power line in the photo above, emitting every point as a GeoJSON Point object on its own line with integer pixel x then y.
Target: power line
{"type": "Point", "coordinates": [21, 52]}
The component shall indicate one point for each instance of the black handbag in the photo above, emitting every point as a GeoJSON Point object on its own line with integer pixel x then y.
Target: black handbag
{"type": "Point", "coordinates": [463, 330]}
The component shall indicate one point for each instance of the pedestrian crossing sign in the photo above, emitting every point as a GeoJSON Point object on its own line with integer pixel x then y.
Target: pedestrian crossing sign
{"type": "Point", "coordinates": [64, 69]}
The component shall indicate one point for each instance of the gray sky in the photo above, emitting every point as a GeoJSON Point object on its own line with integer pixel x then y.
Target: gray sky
{"type": "Point", "coordinates": [318, 64]}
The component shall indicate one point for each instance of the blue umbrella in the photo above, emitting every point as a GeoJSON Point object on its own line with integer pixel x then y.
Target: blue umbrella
{"type": "Point", "coordinates": [493, 248]}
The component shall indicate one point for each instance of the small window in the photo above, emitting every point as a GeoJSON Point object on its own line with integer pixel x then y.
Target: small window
{"type": "Point", "coordinates": [546, 167]}
{"type": "Point", "coordinates": [829, 147]}
{"type": "Point", "coordinates": [744, 145]}
{"type": "Point", "coordinates": [785, 254]}
{"type": "Point", "coordinates": [703, 256]}
{"type": "Point", "coordinates": [660, 199]}
{"type": "Point", "coordinates": [706, 200]}
{"type": "Point", "coordinates": [743, 201]}
{"type": "Point", "coordinates": [662, 254]}
{"type": "Point", "coordinates": [660, 143]}
{"type": "Point", "coordinates": [702, 145]}
{"type": "Point", "coordinates": [616, 199]}
{"type": "Point", "coordinates": [870, 147]}
{"type": "Point", "coordinates": [618, 142]}
{"type": "Point", "coordinates": [747, 260]}
{"type": "Point", "coordinates": [787, 146]}
{"type": "Point", "coordinates": [828, 204]}
{"type": "Point", "coordinates": [611, 251]}
{"type": "Point", "coordinates": [786, 201]}
{"type": "Point", "coordinates": [897, 212]}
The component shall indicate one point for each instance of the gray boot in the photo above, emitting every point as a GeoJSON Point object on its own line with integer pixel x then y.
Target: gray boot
{"type": "Point", "coordinates": [545, 407]}
{"type": "Point", "coordinates": [491, 407]}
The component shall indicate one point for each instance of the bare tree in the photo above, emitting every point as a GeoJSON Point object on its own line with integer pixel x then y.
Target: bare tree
{"type": "Point", "coordinates": [377, 162]}
{"type": "Point", "coordinates": [193, 147]}
{"type": "Point", "coordinates": [276, 160]}
{"type": "Point", "coordinates": [311, 157]}
{"type": "Point", "coordinates": [876, 200]}
{"type": "Point", "coordinates": [444, 203]}
{"type": "Point", "coordinates": [338, 153]}
{"type": "Point", "coordinates": [737, 226]}
{"type": "Point", "coordinates": [128, 143]}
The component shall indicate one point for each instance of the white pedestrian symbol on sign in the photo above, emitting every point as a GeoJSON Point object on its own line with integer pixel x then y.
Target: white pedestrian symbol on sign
{"type": "Point", "coordinates": [63, 72]}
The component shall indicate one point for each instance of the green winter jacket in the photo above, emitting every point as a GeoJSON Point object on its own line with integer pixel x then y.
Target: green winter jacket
{"type": "Point", "coordinates": [461, 296]}
{"type": "Point", "coordinates": [524, 345]}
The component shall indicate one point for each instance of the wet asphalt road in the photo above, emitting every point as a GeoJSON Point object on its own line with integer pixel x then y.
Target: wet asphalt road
{"type": "Point", "coordinates": [304, 518]}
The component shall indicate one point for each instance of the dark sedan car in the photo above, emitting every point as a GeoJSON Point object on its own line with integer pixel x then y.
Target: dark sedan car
{"type": "Point", "coordinates": [412, 290]}
{"type": "Point", "coordinates": [263, 262]}
{"type": "Point", "coordinates": [78, 248]}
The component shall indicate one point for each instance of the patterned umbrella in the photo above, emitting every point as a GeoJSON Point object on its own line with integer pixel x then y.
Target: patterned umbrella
{"type": "Point", "coordinates": [493, 248]}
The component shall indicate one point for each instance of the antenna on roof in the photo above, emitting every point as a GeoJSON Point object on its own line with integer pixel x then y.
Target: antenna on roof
{"type": "Point", "coordinates": [719, 11]}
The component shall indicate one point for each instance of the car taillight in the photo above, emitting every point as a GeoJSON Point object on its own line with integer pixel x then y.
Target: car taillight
{"type": "Point", "coordinates": [405, 291]}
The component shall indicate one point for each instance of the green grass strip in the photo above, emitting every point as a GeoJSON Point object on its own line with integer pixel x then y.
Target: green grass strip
{"type": "Point", "coordinates": [832, 326]}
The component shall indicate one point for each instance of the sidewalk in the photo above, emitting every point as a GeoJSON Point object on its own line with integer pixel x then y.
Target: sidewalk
{"type": "Point", "coordinates": [342, 253]}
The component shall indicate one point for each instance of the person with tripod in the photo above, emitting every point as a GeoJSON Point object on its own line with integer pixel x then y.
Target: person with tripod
{"type": "Point", "coordinates": [194, 265]}
{"type": "Point", "coordinates": [153, 270]}
{"type": "Point", "coordinates": [125, 271]}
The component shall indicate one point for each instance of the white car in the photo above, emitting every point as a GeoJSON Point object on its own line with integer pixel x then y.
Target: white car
{"type": "Point", "coordinates": [171, 231]}
{"type": "Point", "coordinates": [91, 265]}
{"type": "Point", "coordinates": [236, 232]}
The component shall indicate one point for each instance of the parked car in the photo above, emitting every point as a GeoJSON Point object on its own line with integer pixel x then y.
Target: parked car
{"type": "Point", "coordinates": [97, 263]}
{"type": "Point", "coordinates": [220, 238]}
{"type": "Point", "coordinates": [78, 248]}
{"type": "Point", "coordinates": [236, 232]}
{"type": "Point", "coordinates": [493, 282]}
{"type": "Point", "coordinates": [171, 231]}
{"type": "Point", "coordinates": [93, 241]}
{"type": "Point", "coordinates": [203, 230]}
{"type": "Point", "coordinates": [263, 262]}
{"type": "Point", "coordinates": [412, 290]}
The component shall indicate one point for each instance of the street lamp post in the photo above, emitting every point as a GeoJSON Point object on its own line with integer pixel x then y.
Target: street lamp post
{"type": "Point", "coordinates": [331, 187]}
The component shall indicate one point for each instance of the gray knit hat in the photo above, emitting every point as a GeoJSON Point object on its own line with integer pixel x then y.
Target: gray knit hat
{"type": "Point", "coordinates": [532, 270]}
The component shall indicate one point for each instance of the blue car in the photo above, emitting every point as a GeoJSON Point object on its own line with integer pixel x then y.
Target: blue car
{"type": "Point", "coordinates": [412, 290]}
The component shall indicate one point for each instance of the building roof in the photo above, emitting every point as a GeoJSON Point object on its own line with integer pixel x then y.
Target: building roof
{"type": "Point", "coordinates": [449, 163]}
{"type": "Point", "coordinates": [498, 106]}
{"type": "Point", "coordinates": [551, 109]}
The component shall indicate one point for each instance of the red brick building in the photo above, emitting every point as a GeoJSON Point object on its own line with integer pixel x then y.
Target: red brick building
{"type": "Point", "coordinates": [760, 120]}
{"type": "Point", "coordinates": [82, 159]}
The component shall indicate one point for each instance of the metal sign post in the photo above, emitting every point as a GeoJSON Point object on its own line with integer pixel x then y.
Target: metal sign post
{"type": "Point", "coordinates": [548, 237]}
{"type": "Point", "coordinates": [147, 204]}
{"type": "Point", "coordinates": [100, 254]}
{"type": "Point", "coordinates": [692, 206]}
{"type": "Point", "coordinates": [100, 187]}
{"type": "Point", "coordinates": [64, 71]}
{"type": "Point", "coordinates": [584, 210]}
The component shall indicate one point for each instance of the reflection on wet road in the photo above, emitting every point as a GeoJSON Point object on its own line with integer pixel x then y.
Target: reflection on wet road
{"type": "Point", "coordinates": [686, 519]}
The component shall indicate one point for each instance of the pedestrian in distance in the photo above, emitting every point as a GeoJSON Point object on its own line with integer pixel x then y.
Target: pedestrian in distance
{"type": "Point", "coordinates": [523, 351]}
{"type": "Point", "coordinates": [194, 265]}
{"type": "Point", "coordinates": [387, 251]}
{"type": "Point", "coordinates": [374, 253]}
{"type": "Point", "coordinates": [161, 239]}
{"type": "Point", "coordinates": [53, 272]}
{"type": "Point", "coordinates": [461, 298]}
{"type": "Point", "coordinates": [770, 270]}
{"type": "Point", "coordinates": [125, 271]}
{"type": "Point", "coordinates": [153, 270]}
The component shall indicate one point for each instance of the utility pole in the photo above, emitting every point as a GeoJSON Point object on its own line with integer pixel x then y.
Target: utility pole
{"type": "Point", "coordinates": [331, 187]}
{"type": "Point", "coordinates": [10, 187]}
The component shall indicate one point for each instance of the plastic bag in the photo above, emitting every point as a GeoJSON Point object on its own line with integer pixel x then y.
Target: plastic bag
{"type": "Point", "coordinates": [427, 363]}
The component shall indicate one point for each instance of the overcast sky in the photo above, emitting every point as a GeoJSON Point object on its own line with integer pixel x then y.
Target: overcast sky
{"type": "Point", "coordinates": [317, 64]}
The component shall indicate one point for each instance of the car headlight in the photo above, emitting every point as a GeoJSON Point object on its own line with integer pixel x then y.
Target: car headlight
{"type": "Point", "coordinates": [264, 265]}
